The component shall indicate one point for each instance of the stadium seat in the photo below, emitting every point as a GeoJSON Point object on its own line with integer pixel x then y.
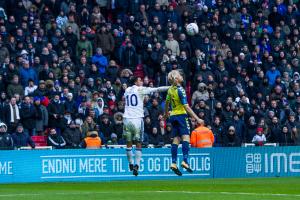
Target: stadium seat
{"type": "Point", "coordinates": [40, 141]}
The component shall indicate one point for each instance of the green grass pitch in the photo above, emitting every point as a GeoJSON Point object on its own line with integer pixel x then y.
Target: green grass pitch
{"type": "Point", "coordinates": [210, 189]}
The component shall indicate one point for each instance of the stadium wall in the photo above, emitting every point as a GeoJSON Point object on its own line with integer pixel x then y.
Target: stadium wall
{"type": "Point", "coordinates": [111, 164]}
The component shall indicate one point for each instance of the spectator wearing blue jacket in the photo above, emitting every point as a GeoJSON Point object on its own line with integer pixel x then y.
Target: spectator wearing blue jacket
{"type": "Point", "coordinates": [266, 26]}
{"type": "Point", "coordinates": [264, 46]}
{"type": "Point", "coordinates": [27, 73]}
{"type": "Point", "coordinates": [173, 16]}
{"type": "Point", "coordinates": [281, 7]}
{"type": "Point", "coordinates": [245, 17]}
{"type": "Point", "coordinates": [157, 12]}
{"type": "Point", "coordinates": [100, 61]}
{"type": "Point", "coordinates": [22, 139]}
{"type": "Point", "coordinates": [272, 74]}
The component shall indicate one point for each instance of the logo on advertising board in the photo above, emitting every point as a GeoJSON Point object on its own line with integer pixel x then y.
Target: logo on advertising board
{"type": "Point", "coordinates": [272, 163]}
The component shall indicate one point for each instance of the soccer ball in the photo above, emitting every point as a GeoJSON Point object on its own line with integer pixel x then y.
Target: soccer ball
{"type": "Point", "coordinates": [192, 29]}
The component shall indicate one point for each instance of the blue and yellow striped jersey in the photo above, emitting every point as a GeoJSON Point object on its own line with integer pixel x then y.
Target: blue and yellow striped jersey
{"type": "Point", "coordinates": [177, 98]}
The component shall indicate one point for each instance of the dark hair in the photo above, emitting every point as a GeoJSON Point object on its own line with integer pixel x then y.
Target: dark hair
{"type": "Point", "coordinates": [133, 80]}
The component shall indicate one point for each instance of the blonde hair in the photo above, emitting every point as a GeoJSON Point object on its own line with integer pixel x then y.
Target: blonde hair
{"type": "Point", "coordinates": [173, 75]}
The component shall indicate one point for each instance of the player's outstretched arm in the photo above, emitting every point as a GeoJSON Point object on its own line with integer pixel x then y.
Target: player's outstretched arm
{"type": "Point", "coordinates": [163, 88]}
{"type": "Point", "coordinates": [149, 90]}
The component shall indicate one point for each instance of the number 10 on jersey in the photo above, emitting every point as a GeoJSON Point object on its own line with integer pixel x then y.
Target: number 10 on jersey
{"type": "Point", "coordinates": [131, 100]}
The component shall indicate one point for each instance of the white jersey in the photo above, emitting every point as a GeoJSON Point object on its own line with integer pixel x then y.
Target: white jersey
{"type": "Point", "coordinates": [134, 100]}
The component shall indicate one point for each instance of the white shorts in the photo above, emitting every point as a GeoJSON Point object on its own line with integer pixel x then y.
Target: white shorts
{"type": "Point", "coordinates": [133, 129]}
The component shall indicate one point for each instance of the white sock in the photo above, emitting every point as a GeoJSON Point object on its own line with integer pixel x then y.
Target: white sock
{"type": "Point", "coordinates": [138, 156]}
{"type": "Point", "coordinates": [129, 155]}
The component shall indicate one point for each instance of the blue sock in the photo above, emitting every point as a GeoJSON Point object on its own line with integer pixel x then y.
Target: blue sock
{"type": "Point", "coordinates": [174, 148]}
{"type": "Point", "coordinates": [185, 150]}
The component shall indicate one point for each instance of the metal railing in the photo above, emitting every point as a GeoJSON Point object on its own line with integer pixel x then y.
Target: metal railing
{"type": "Point", "coordinates": [266, 144]}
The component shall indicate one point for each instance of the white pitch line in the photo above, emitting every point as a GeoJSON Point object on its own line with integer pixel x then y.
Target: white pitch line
{"type": "Point", "coordinates": [178, 192]}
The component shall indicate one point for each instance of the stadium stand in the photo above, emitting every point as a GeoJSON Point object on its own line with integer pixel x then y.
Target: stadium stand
{"type": "Point", "coordinates": [65, 64]}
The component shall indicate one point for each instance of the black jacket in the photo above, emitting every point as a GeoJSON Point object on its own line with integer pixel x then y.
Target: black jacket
{"type": "Point", "coordinates": [219, 133]}
{"type": "Point", "coordinates": [156, 139]}
{"type": "Point", "coordinates": [274, 135]}
{"type": "Point", "coordinates": [250, 133]}
{"type": "Point", "coordinates": [154, 113]}
{"type": "Point", "coordinates": [56, 141]}
{"type": "Point", "coordinates": [73, 137]}
{"type": "Point", "coordinates": [112, 73]}
{"type": "Point", "coordinates": [185, 46]}
{"type": "Point", "coordinates": [162, 79]}
{"type": "Point", "coordinates": [129, 58]}
{"type": "Point", "coordinates": [58, 109]}
{"type": "Point", "coordinates": [70, 106]}
{"type": "Point", "coordinates": [28, 115]}
{"type": "Point", "coordinates": [106, 130]}
{"type": "Point", "coordinates": [6, 141]}
{"type": "Point", "coordinates": [22, 140]}
{"type": "Point", "coordinates": [286, 139]}
{"type": "Point", "coordinates": [7, 113]}
{"type": "Point", "coordinates": [232, 141]}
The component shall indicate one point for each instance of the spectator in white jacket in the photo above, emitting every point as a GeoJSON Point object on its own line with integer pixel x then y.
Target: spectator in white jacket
{"type": "Point", "coordinates": [30, 88]}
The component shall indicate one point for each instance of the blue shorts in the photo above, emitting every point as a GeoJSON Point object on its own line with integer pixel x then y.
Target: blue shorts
{"type": "Point", "coordinates": [180, 125]}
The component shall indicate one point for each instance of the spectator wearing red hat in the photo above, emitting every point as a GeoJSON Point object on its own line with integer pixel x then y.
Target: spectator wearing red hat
{"type": "Point", "coordinates": [259, 139]}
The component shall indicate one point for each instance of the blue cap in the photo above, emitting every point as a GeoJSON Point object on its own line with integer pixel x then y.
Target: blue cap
{"type": "Point", "coordinates": [36, 98]}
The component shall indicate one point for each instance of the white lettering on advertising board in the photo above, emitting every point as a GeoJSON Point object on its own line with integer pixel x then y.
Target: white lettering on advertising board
{"type": "Point", "coordinates": [116, 165]}
{"type": "Point", "coordinates": [6, 168]}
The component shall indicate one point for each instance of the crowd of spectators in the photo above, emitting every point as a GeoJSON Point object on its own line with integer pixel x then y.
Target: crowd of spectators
{"type": "Point", "coordinates": [66, 63]}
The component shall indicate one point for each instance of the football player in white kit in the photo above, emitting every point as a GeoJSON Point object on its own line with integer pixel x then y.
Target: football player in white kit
{"type": "Point", "coordinates": [134, 119]}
